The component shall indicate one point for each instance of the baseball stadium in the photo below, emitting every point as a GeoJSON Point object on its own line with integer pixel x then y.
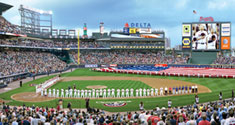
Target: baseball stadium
{"type": "Point", "coordinates": [126, 76]}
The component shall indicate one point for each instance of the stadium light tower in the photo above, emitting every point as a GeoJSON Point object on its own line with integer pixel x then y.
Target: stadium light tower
{"type": "Point", "coordinates": [35, 21]}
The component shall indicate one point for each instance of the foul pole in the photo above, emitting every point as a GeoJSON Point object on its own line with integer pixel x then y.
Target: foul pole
{"type": "Point", "coordinates": [78, 49]}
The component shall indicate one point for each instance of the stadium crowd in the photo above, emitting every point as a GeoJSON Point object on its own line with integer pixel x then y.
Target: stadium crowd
{"type": "Point", "coordinates": [53, 44]}
{"type": "Point", "coordinates": [225, 60]}
{"type": "Point", "coordinates": [214, 113]}
{"type": "Point", "coordinates": [6, 26]}
{"type": "Point", "coordinates": [127, 57]}
{"type": "Point", "coordinates": [15, 62]}
{"type": "Point", "coordinates": [38, 43]}
{"type": "Point", "coordinates": [73, 44]}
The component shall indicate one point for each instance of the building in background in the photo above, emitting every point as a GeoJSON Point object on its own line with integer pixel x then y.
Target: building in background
{"type": "Point", "coordinates": [168, 43]}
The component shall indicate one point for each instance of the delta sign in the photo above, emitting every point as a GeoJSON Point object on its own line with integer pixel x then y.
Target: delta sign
{"type": "Point", "coordinates": [134, 28]}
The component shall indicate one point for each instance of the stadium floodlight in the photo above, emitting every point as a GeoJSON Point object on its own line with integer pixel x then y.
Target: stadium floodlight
{"type": "Point", "coordinates": [33, 21]}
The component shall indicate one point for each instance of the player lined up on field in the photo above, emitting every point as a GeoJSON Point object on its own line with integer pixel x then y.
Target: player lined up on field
{"type": "Point", "coordinates": [118, 93]}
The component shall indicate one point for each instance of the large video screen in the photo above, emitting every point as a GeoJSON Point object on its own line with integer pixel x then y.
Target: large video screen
{"type": "Point", "coordinates": [205, 36]}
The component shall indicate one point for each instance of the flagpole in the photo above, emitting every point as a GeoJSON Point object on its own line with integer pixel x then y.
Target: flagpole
{"type": "Point", "coordinates": [78, 49]}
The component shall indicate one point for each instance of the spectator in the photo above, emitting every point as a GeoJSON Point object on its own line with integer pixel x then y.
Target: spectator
{"type": "Point", "coordinates": [231, 119]}
{"type": "Point", "coordinates": [16, 62]}
{"type": "Point", "coordinates": [204, 121]}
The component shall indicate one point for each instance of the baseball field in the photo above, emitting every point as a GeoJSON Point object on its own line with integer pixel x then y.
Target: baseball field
{"type": "Point", "coordinates": [209, 89]}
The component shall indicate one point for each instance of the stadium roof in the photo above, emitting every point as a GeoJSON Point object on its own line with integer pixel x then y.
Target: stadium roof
{"type": "Point", "coordinates": [4, 7]}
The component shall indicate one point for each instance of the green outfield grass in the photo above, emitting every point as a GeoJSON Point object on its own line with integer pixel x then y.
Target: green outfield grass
{"type": "Point", "coordinates": [214, 84]}
{"type": "Point", "coordinates": [116, 84]}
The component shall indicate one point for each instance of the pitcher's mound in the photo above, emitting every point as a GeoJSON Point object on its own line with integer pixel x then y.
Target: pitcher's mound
{"type": "Point", "coordinates": [30, 97]}
{"type": "Point", "coordinates": [96, 87]}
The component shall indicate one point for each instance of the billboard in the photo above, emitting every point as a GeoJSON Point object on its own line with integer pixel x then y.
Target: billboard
{"type": "Point", "coordinates": [225, 29]}
{"type": "Point", "coordinates": [186, 43]}
{"type": "Point", "coordinates": [144, 30]}
{"type": "Point", "coordinates": [132, 30]}
{"type": "Point", "coordinates": [126, 30]}
{"type": "Point", "coordinates": [158, 36]}
{"type": "Point", "coordinates": [186, 30]}
{"type": "Point", "coordinates": [225, 42]}
{"type": "Point", "coordinates": [205, 36]}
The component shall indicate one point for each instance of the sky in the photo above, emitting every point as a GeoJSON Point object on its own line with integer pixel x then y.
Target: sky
{"type": "Point", "coordinates": [167, 15]}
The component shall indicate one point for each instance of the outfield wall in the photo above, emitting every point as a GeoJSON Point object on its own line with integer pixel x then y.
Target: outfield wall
{"type": "Point", "coordinates": [203, 57]}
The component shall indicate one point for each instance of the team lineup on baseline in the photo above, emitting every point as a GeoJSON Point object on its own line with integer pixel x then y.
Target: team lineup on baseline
{"type": "Point", "coordinates": [119, 93]}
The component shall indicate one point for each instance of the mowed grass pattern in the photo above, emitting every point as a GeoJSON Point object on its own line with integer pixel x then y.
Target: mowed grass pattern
{"type": "Point", "coordinates": [214, 84]}
{"type": "Point", "coordinates": [116, 84]}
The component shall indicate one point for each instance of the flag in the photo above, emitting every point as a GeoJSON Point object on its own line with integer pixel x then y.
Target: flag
{"type": "Point", "coordinates": [194, 12]}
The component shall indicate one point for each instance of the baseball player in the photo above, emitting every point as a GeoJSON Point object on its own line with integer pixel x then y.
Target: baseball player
{"type": "Point", "coordinates": [148, 92]}
{"type": "Point", "coordinates": [173, 90]}
{"type": "Point", "coordinates": [82, 93]}
{"type": "Point", "coordinates": [42, 92]}
{"type": "Point", "coordinates": [201, 37]}
{"type": "Point", "coordinates": [97, 93]}
{"type": "Point", "coordinates": [85, 93]}
{"type": "Point", "coordinates": [113, 93]}
{"type": "Point", "coordinates": [109, 91]}
{"type": "Point", "coordinates": [140, 91]}
{"type": "Point", "coordinates": [176, 90]}
{"type": "Point", "coordinates": [45, 92]}
{"type": "Point", "coordinates": [144, 92]}
{"type": "Point", "coordinates": [75, 93]}
{"type": "Point", "coordinates": [196, 89]}
{"type": "Point", "coordinates": [182, 89]}
{"type": "Point", "coordinates": [89, 93]}
{"type": "Point", "coordinates": [212, 38]}
{"type": "Point", "coordinates": [161, 91]}
{"type": "Point", "coordinates": [66, 93]}
{"type": "Point", "coordinates": [49, 93]}
{"type": "Point", "coordinates": [186, 89]}
{"type": "Point", "coordinates": [156, 92]}
{"type": "Point", "coordinates": [62, 93]}
{"type": "Point", "coordinates": [170, 90]}
{"type": "Point", "coordinates": [70, 93]}
{"type": "Point", "coordinates": [137, 92]}
{"type": "Point", "coordinates": [93, 93]}
{"type": "Point", "coordinates": [101, 92]}
{"type": "Point", "coordinates": [53, 92]}
{"type": "Point", "coordinates": [78, 93]}
{"type": "Point", "coordinates": [118, 93]}
{"type": "Point", "coordinates": [152, 92]}
{"type": "Point", "coordinates": [123, 91]}
{"type": "Point", "coordinates": [166, 90]}
{"type": "Point", "coordinates": [179, 90]}
{"type": "Point", "coordinates": [58, 93]}
{"type": "Point", "coordinates": [104, 93]}
{"type": "Point", "coordinates": [127, 93]}
{"type": "Point", "coordinates": [190, 89]}
{"type": "Point", "coordinates": [132, 92]}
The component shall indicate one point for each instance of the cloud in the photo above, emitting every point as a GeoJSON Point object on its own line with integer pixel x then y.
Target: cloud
{"type": "Point", "coordinates": [221, 4]}
{"type": "Point", "coordinates": [216, 4]}
{"type": "Point", "coordinates": [180, 4]}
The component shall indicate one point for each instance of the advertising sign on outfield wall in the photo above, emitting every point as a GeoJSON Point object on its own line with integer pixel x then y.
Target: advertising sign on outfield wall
{"type": "Point", "coordinates": [225, 29]}
{"type": "Point", "coordinates": [186, 30]}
